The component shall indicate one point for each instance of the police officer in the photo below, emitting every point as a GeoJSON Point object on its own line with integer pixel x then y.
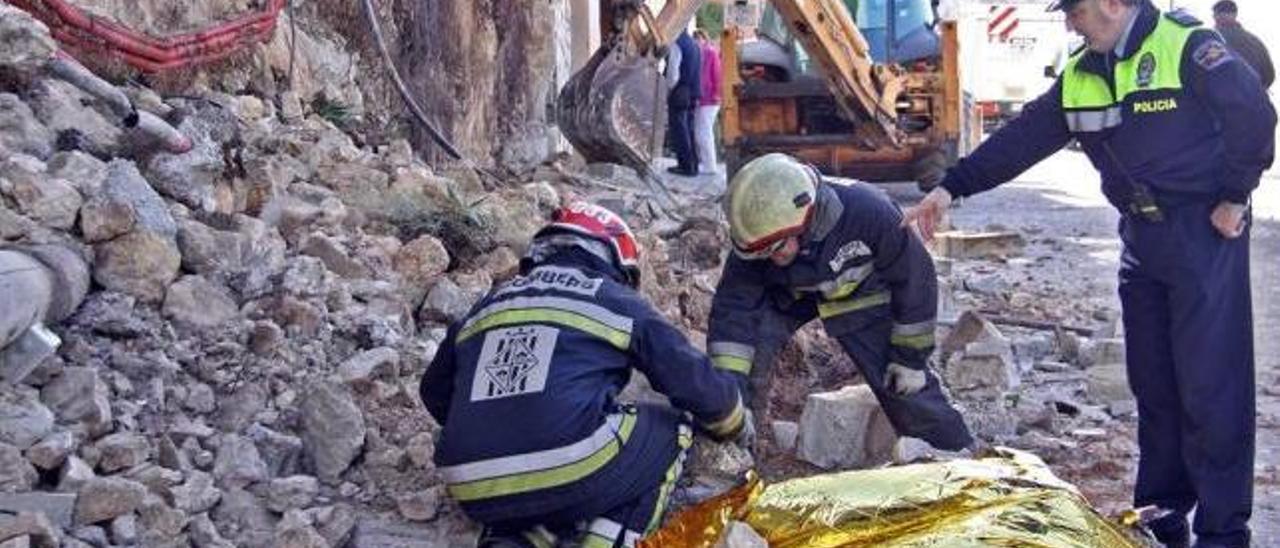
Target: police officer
{"type": "Point", "coordinates": [804, 248]}
{"type": "Point", "coordinates": [535, 444]}
{"type": "Point", "coordinates": [1181, 131]}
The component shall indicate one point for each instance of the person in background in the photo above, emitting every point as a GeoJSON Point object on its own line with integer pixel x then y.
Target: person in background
{"type": "Point", "coordinates": [684, 68]}
{"type": "Point", "coordinates": [704, 121]}
{"type": "Point", "coordinates": [1243, 42]}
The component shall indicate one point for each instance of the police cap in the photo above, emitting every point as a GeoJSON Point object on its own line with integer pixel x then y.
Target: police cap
{"type": "Point", "coordinates": [1061, 5]}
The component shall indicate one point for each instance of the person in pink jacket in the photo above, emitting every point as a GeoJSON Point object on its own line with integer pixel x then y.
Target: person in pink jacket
{"type": "Point", "coordinates": [704, 122]}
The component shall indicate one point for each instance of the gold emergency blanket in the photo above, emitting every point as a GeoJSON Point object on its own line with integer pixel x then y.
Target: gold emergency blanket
{"type": "Point", "coordinates": [1008, 500]}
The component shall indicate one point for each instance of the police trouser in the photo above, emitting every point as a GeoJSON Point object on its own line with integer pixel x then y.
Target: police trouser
{"type": "Point", "coordinates": [614, 507]}
{"type": "Point", "coordinates": [1189, 350]}
{"type": "Point", "coordinates": [864, 335]}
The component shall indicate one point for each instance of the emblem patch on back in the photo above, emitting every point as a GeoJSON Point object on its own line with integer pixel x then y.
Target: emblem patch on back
{"type": "Point", "coordinates": [1146, 69]}
{"type": "Point", "coordinates": [1211, 54]}
{"type": "Point", "coordinates": [847, 252]}
{"type": "Point", "coordinates": [513, 361]}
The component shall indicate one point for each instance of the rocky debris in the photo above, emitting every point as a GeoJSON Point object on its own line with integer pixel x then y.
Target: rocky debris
{"type": "Point", "coordinates": [198, 494]}
{"type": "Point", "coordinates": [978, 245]}
{"type": "Point", "coordinates": [120, 451]}
{"type": "Point", "coordinates": [451, 298]}
{"type": "Point", "coordinates": [333, 429]}
{"type": "Point", "coordinates": [140, 264]}
{"type": "Point", "coordinates": [39, 530]}
{"type": "Point", "coordinates": [196, 302]}
{"type": "Point", "coordinates": [363, 368]}
{"type": "Point", "coordinates": [984, 364]}
{"type": "Point", "coordinates": [57, 508]}
{"type": "Point", "coordinates": [49, 201]}
{"type": "Point", "coordinates": [334, 257]}
{"type": "Point", "coordinates": [23, 419]}
{"type": "Point", "coordinates": [419, 262]}
{"type": "Point", "coordinates": [292, 493]}
{"type": "Point", "coordinates": [106, 498]}
{"type": "Point", "coordinates": [50, 452]}
{"type": "Point", "coordinates": [20, 131]}
{"type": "Point", "coordinates": [420, 505]}
{"type": "Point", "coordinates": [238, 463]}
{"type": "Point", "coordinates": [28, 45]}
{"type": "Point", "coordinates": [69, 113]}
{"type": "Point", "coordinates": [79, 395]}
{"type": "Point", "coordinates": [193, 177]}
{"type": "Point", "coordinates": [785, 434]}
{"type": "Point", "coordinates": [845, 429]}
{"type": "Point", "coordinates": [740, 535]}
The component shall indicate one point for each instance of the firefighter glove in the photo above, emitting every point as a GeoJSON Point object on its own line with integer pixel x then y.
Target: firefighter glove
{"type": "Point", "coordinates": [903, 380]}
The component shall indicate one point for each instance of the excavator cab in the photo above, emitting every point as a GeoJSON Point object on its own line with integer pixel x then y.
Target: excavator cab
{"type": "Point", "coordinates": [783, 98]}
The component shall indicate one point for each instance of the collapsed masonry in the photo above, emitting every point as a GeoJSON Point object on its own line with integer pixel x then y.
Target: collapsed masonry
{"type": "Point", "coordinates": [243, 369]}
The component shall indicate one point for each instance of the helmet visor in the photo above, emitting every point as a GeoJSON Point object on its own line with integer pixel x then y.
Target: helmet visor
{"type": "Point", "coordinates": [758, 252]}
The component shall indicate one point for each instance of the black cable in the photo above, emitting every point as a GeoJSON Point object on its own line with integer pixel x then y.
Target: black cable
{"type": "Point", "coordinates": [400, 85]}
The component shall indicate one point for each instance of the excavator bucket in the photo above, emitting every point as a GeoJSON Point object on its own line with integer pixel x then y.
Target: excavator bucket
{"type": "Point", "coordinates": [615, 109]}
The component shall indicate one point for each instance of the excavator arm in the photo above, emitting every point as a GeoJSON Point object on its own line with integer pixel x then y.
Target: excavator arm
{"type": "Point", "coordinates": [867, 93]}
{"type": "Point", "coordinates": [614, 109]}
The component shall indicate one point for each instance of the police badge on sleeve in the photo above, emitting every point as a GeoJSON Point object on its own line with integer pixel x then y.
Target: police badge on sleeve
{"type": "Point", "coordinates": [1211, 54]}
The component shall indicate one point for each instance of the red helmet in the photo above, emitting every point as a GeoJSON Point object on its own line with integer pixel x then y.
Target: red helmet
{"type": "Point", "coordinates": [599, 225]}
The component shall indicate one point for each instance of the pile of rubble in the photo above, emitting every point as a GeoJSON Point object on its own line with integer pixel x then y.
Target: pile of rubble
{"type": "Point", "coordinates": [244, 370]}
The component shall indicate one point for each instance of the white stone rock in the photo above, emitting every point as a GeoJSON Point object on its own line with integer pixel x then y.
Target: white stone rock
{"type": "Point", "coordinates": [196, 302]}
{"type": "Point", "coordinates": [333, 429]}
{"type": "Point", "coordinates": [844, 429]}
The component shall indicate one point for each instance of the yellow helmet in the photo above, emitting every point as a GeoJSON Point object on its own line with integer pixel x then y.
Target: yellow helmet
{"type": "Point", "coordinates": [769, 200]}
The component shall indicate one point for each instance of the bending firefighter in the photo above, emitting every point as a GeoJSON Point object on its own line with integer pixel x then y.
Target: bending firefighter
{"type": "Point", "coordinates": [806, 249]}
{"type": "Point", "coordinates": [535, 445]}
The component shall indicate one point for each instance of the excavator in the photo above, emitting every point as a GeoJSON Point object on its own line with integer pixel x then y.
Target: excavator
{"type": "Point", "coordinates": [868, 89]}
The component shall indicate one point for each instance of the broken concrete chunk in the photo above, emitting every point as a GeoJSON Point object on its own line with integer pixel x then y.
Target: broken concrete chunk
{"type": "Point", "coordinates": [292, 493]}
{"type": "Point", "coordinates": [785, 434]}
{"type": "Point", "coordinates": [957, 244]}
{"type": "Point", "coordinates": [23, 419]}
{"type": "Point", "coordinates": [332, 429]}
{"type": "Point", "coordinates": [58, 508]}
{"type": "Point", "coordinates": [366, 366]}
{"type": "Point", "coordinates": [103, 499]}
{"type": "Point", "coordinates": [140, 264]}
{"type": "Point", "coordinates": [50, 452]}
{"type": "Point", "coordinates": [740, 535]}
{"type": "Point", "coordinates": [199, 303]}
{"type": "Point", "coordinates": [845, 429]}
{"type": "Point", "coordinates": [122, 450]}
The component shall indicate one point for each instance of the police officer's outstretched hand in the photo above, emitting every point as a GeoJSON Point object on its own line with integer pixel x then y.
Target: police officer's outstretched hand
{"type": "Point", "coordinates": [927, 214]}
{"type": "Point", "coordinates": [1228, 218]}
{"type": "Point", "coordinates": [903, 380]}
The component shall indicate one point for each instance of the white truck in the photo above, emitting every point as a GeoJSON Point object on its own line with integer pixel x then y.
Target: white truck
{"type": "Point", "coordinates": [1010, 52]}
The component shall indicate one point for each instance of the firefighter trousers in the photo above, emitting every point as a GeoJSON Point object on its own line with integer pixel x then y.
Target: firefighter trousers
{"type": "Point", "coordinates": [864, 335]}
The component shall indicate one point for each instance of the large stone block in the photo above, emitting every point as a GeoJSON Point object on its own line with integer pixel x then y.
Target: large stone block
{"type": "Point", "coordinates": [978, 245]}
{"type": "Point", "coordinates": [845, 429]}
{"type": "Point", "coordinates": [332, 429]}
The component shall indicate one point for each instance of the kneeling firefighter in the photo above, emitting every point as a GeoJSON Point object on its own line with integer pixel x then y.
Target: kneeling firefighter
{"type": "Point", "coordinates": [805, 248]}
{"type": "Point", "coordinates": [535, 444]}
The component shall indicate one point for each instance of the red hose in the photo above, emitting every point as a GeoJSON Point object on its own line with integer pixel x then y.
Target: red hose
{"type": "Point", "coordinates": [75, 27]}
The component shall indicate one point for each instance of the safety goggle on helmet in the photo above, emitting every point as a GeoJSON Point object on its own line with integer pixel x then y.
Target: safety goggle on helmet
{"type": "Point", "coordinates": [604, 226]}
{"type": "Point", "coordinates": [768, 201]}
